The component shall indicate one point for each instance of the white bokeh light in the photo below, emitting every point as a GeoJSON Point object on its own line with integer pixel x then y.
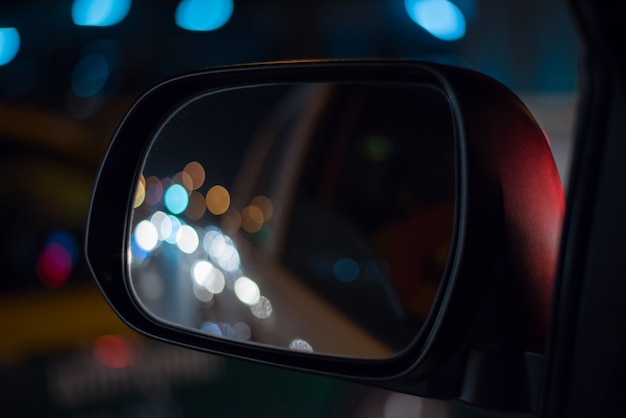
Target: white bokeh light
{"type": "Point", "coordinates": [169, 229]}
{"type": "Point", "coordinates": [162, 223]}
{"type": "Point", "coordinates": [262, 309]}
{"type": "Point", "coordinates": [206, 275]}
{"type": "Point", "coordinates": [187, 239]}
{"type": "Point", "coordinates": [222, 250]}
{"type": "Point", "coordinates": [202, 294]}
{"type": "Point", "coordinates": [247, 290]}
{"type": "Point", "coordinates": [299, 344]}
{"type": "Point", "coordinates": [146, 235]}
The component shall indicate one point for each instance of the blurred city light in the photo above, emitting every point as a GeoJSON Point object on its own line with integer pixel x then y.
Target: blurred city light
{"type": "Point", "coordinates": [197, 206]}
{"type": "Point", "coordinates": [169, 229]}
{"type": "Point", "coordinates": [251, 219]}
{"type": "Point", "coordinates": [146, 235]}
{"type": "Point", "coordinates": [90, 75]}
{"type": "Point", "coordinates": [346, 270]}
{"type": "Point", "coordinates": [187, 239]}
{"type": "Point", "coordinates": [265, 205]}
{"type": "Point", "coordinates": [202, 293]}
{"type": "Point", "coordinates": [203, 15]}
{"type": "Point", "coordinates": [184, 179]}
{"type": "Point", "coordinates": [440, 18]}
{"type": "Point", "coordinates": [176, 199]}
{"type": "Point", "coordinates": [9, 44]}
{"type": "Point", "coordinates": [56, 262]}
{"type": "Point", "coordinates": [262, 309]}
{"type": "Point", "coordinates": [99, 12]}
{"type": "Point", "coordinates": [300, 345]}
{"type": "Point", "coordinates": [221, 249]}
{"type": "Point", "coordinates": [247, 291]}
{"type": "Point", "coordinates": [208, 276]}
{"type": "Point", "coordinates": [196, 173]}
{"type": "Point", "coordinates": [159, 219]}
{"type": "Point", "coordinates": [220, 330]}
{"type": "Point", "coordinates": [140, 193]}
{"type": "Point", "coordinates": [242, 331]}
{"type": "Point", "coordinates": [217, 200]}
{"type": "Point", "coordinates": [113, 351]}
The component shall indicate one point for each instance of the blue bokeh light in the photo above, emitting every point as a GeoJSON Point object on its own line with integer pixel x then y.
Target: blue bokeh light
{"type": "Point", "coordinates": [57, 260]}
{"type": "Point", "coordinates": [9, 44]}
{"type": "Point", "coordinates": [203, 15]}
{"type": "Point", "coordinates": [90, 75]}
{"type": "Point", "coordinates": [66, 240]}
{"type": "Point", "coordinates": [440, 18]}
{"type": "Point", "coordinates": [346, 270]}
{"type": "Point", "coordinates": [99, 12]}
{"type": "Point", "coordinates": [176, 199]}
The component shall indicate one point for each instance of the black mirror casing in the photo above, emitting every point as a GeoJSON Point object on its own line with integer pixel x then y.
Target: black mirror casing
{"type": "Point", "coordinates": [483, 338]}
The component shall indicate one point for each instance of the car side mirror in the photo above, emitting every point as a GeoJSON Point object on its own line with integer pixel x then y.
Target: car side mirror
{"type": "Point", "coordinates": [393, 223]}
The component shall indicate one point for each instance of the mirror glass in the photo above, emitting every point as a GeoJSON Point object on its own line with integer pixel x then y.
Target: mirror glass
{"type": "Point", "coordinates": [314, 217]}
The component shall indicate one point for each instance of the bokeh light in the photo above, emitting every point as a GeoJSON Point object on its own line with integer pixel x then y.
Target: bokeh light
{"type": "Point", "coordinates": [162, 223]}
{"type": "Point", "coordinates": [113, 351]}
{"type": "Point", "coordinates": [440, 18]}
{"type": "Point", "coordinates": [183, 179]}
{"type": "Point", "coordinates": [346, 270]}
{"type": "Point", "coordinates": [207, 275]}
{"type": "Point", "coordinates": [56, 262]}
{"type": "Point", "coordinates": [247, 290]}
{"type": "Point", "coordinates": [154, 190]}
{"type": "Point", "coordinates": [202, 293]}
{"type": "Point", "coordinates": [176, 199]}
{"type": "Point", "coordinates": [221, 249]}
{"type": "Point", "coordinates": [230, 222]}
{"type": "Point", "coordinates": [9, 44]}
{"type": "Point", "coordinates": [146, 235]}
{"type": "Point", "coordinates": [187, 239]}
{"type": "Point", "coordinates": [242, 331]}
{"type": "Point", "coordinates": [99, 12]}
{"type": "Point", "coordinates": [219, 330]}
{"type": "Point", "coordinates": [262, 309]}
{"type": "Point", "coordinates": [251, 219]}
{"type": "Point", "coordinates": [196, 174]}
{"type": "Point", "coordinates": [299, 344]}
{"type": "Point", "coordinates": [140, 193]}
{"type": "Point", "coordinates": [169, 229]}
{"type": "Point", "coordinates": [217, 200]}
{"type": "Point", "coordinates": [90, 75]}
{"type": "Point", "coordinates": [197, 206]}
{"type": "Point", "coordinates": [203, 15]}
{"type": "Point", "coordinates": [265, 205]}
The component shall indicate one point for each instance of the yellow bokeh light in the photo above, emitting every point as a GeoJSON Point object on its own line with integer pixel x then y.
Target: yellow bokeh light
{"type": "Point", "coordinates": [265, 205]}
{"type": "Point", "coordinates": [140, 193]}
{"type": "Point", "coordinates": [217, 200]}
{"type": "Point", "coordinates": [251, 219]}
{"type": "Point", "coordinates": [196, 207]}
{"type": "Point", "coordinates": [195, 171]}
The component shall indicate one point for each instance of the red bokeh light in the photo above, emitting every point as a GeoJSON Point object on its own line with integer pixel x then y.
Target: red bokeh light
{"type": "Point", "coordinates": [113, 351]}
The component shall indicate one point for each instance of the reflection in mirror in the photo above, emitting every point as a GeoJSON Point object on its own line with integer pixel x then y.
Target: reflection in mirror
{"type": "Point", "coordinates": [313, 217]}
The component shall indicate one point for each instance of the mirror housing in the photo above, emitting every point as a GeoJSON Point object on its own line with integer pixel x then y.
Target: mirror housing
{"type": "Point", "coordinates": [483, 338]}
